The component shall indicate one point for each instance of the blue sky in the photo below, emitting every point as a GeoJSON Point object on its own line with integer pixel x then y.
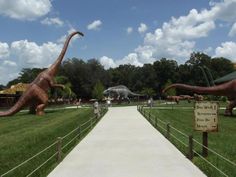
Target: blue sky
{"type": "Point", "coordinates": [116, 31]}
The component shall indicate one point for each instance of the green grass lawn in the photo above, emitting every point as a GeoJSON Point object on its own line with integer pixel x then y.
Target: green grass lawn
{"type": "Point", "coordinates": [24, 135]}
{"type": "Point", "coordinates": [223, 142]}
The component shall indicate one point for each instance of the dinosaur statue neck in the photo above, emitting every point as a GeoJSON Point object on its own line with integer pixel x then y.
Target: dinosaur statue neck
{"type": "Point", "coordinates": [52, 70]}
{"type": "Point", "coordinates": [219, 90]}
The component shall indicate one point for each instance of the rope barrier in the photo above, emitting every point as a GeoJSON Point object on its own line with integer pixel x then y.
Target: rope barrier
{"type": "Point", "coordinates": [179, 131]}
{"type": "Point", "coordinates": [28, 159]}
{"type": "Point", "coordinates": [84, 130]}
{"type": "Point", "coordinates": [229, 161]}
{"type": "Point", "coordinates": [42, 164]}
{"type": "Point", "coordinates": [85, 123]}
{"type": "Point", "coordinates": [210, 163]}
{"type": "Point", "coordinates": [70, 133]}
{"type": "Point", "coordinates": [161, 127]}
{"type": "Point", "coordinates": [186, 136]}
{"type": "Point", "coordinates": [14, 168]}
{"type": "Point", "coordinates": [70, 142]}
{"type": "Point", "coordinates": [178, 140]}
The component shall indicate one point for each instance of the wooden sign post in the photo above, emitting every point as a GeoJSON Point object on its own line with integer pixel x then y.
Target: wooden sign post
{"type": "Point", "coordinates": [206, 120]}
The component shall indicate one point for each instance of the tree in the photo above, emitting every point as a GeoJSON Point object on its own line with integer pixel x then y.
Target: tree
{"type": "Point", "coordinates": [148, 92]}
{"type": "Point", "coordinates": [98, 91]}
{"type": "Point", "coordinates": [27, 75]}
{"type": "Point", "coordinates": [84, 75]}
{"type": "Point", "coordinates": [171, 92]}
{"type": "Point", "coordinates": [66, 92]}
{"type": "Point", "coordinates": [165, 69]}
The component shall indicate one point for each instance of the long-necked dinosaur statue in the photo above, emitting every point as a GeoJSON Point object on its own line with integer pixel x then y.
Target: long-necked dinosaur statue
{"type": "Point", "coordinates": [120, 91]}
{"type": "Point", "coordinates": [227, 89]}
{"type": "Point", "coordinates": [36, 96]}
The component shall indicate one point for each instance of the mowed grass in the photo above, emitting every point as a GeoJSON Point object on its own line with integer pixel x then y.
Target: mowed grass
{"type": "Point", "coordinates": [223, 142]}
{"type": "Point", "coordinates": [24, 135]}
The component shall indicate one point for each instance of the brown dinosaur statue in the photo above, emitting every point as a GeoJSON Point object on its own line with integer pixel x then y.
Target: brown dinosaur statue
{"type": "Point", "coordinates": [36, 96]}
{"type": "Point", "coordinates": [174, 98]}
{"type": "Point", "coordinates": [227, 89]}
{"type": "Point", "coordinates": [187, 97]}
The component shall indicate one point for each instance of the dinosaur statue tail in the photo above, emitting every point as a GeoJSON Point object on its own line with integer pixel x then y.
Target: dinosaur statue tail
{"type": "Point", "coordinates": [219, 90]}
{"type": "Point", "coordinates": [135, 94]}
{"type": "Point", "coordinates": [16, 108]}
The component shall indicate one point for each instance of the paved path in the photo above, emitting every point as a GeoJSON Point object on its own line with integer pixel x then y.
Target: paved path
{"type": "Point", "coordinates": [124, 144]}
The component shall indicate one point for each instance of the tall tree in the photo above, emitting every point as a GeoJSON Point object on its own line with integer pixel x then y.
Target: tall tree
{"type": "Point", "coordinates": [98, 91]}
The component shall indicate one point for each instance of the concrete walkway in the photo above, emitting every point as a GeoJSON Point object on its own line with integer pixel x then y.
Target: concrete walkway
{"type": "Point", "coordinates": [124, 144]}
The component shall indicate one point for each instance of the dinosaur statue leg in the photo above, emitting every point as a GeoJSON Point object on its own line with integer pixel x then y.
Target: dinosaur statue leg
{"type": "Point", "coordinates": [42, 99]}
{"type": "Point", "coordinates": [229, 108]}
{"type": "Point", "coordinates": [127, 98]}
{"type": "Point", "coordinates": [32, 107]}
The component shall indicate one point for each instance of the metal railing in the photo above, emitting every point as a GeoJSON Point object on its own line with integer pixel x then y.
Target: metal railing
{"type": "Point", "coordinates": [78, 133]}
{"type": "Point", "coordinates": [187, 141]}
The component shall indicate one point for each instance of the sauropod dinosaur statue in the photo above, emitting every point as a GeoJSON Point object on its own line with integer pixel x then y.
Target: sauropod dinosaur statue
{"type": "Point", "coordinates": [227, 89]}
{"type": "Point", "coordinates": [174, 98]}
{"type": "Point", "coordinates": [121, 91]}
{"type": "Point", "coordinates": [36, 96]}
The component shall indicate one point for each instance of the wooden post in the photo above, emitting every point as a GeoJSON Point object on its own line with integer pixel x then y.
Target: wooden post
{"type": "Point", "coordinates": [168, 130]}
{"type": "Point", "coordinates": [59, 152]}
{"type": "Point", "coordinates": [190, 147]}
{"type": "Point", "coordinates": [149, 116]}
{"type": "Point", "coordinates": [205, 144]}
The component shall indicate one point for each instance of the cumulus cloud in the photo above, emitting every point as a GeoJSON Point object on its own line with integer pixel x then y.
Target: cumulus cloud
{"type": "Point", "coordinates": [227, 50]}
{"type": "Point", "coordinates": [4, 50]}
{"type": "Point", "coordinates": [25, 9]}
{"type": "Point", "coordinates": [30, 54]}
{"type": "Point", "coordinates": [52, 21]}
{"type": "Point", "coordinates": [96, 25]}
{"type": "Point", "coordinates": [142, 28]}
{"type": "Point", "coordinates": [9, 63]}
{"type": "Point", "coordinates": [132, 59]}
{"type": "Point", "coordinates": [176, 39]}
{"type": "Point", "coordinates": [129, 30]}
{"type": "Point", "coordinates": [232, 31]}
{"type": "Point", "coordinates": [107, 62]}
{"type": "Point", "coordinates": [26, 54]}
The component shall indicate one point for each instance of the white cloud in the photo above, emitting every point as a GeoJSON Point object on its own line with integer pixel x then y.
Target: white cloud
{"type": "Point", "coordinates": [96, 25]}
{"type": "Point", "coordinates": [27, 54]}
{"type": "Point", "coordinates": [208, 50]}
{"type": "Point", "coordinates": [52, 21]}
{"type": "Point", "coordinates": [4, 50]}
{"type": "Point", "coordinates": [142, 28]}
{"type": "Point", "coordinates": [176, 39]}
{"type": "Point", "coordinates": [129, 30]}
{"type": "Point", "coordinates": [30, 54]}
{"type": "Point", "coordinates": [132, 59]}
{"type": "Point", "coordinates": [25, 9]}
{"type": "Point", "coordinates": [232, 31]}
{"type": "Point", "coordinates": [9, 63]}
{"type": "Point", "coordinates": [107, 62]}
{"type": "Point", "coordinates": [227, 50]}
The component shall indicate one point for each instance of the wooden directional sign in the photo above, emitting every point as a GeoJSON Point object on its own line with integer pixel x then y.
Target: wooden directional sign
{"type": "Point", "coordinates": [206, 116]}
